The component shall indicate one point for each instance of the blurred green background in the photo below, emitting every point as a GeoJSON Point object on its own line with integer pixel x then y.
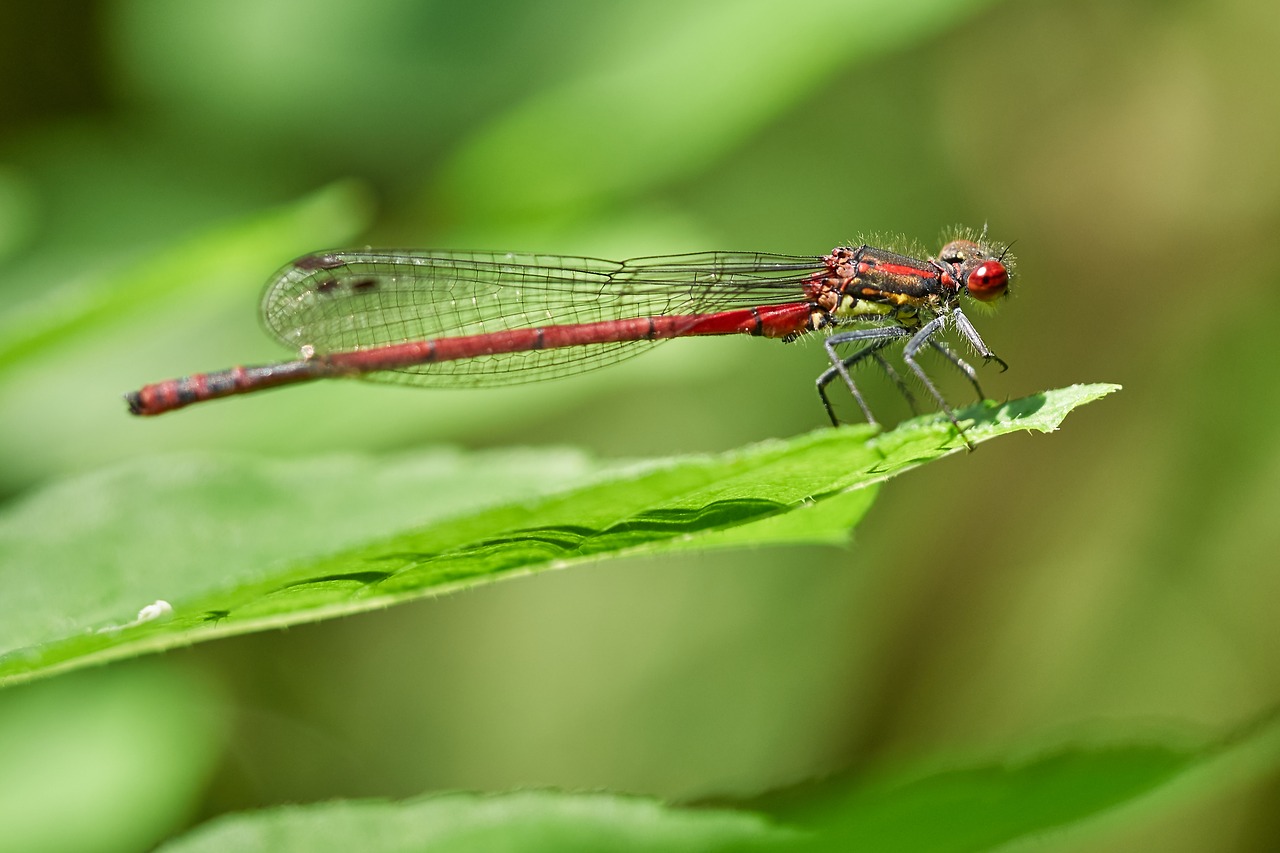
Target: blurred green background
{"type": "Point", "coordinates": [159, 160]}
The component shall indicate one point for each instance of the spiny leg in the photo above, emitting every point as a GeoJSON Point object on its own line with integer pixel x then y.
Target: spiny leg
{"type": "Point", "coordinates": [847, 363]}
{"type": "Point", "coordinates": [963, 366]}
{"type": "Point", "coordinates": [897, 380]}
{"type": "Point", "coordinates": [872, 352]}
{"type": "Point", "coordinates": [882, 336]}
{"type": "Point", "coordinates": [913, 347]}
{"type": "Point", "coordinates": [975, 340]}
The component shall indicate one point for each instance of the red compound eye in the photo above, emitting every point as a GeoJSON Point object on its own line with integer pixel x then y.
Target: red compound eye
{"type": "Point", "coordinates": [989, 281]}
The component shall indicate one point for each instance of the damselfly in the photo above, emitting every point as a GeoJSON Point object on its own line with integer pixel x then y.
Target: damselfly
{"type": "Point", "coordinates": [475, 319]}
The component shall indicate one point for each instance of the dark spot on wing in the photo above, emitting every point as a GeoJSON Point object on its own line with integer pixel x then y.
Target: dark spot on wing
{"type": "Point", "coordinates": [326, 286]}
{"type": "Point", "coordinates": [322, 261]}
{"type": "Point", "coordinates": [364, 285]}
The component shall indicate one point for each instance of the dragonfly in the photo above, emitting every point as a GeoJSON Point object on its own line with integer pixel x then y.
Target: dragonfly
{"type": "Point", "coordinates": [483, 319]}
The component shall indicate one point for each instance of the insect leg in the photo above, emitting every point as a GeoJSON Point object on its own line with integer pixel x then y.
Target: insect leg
{"type": "Point", "coordinates": [919, 340]}
{"type": "Point", "coordinates": [963, 366]}
{"type": "Point", "coordinates": [880, 336]}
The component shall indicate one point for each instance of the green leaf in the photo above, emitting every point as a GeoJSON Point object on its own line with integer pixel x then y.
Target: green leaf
{"type": "Point", "coordinates": [1078, 792]}
{"type": "Point", "coordinates": [1075, 794]}
{"type": "Point", "coordinates": [527, 821]}
{"type": "Point", "coordinates": [153, 554]}
{"type": "Point", "coordinates": [978, 807]}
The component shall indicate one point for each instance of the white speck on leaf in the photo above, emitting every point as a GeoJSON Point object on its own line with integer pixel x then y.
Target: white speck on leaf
{"type": "Point", "coordinates": [158, 609]}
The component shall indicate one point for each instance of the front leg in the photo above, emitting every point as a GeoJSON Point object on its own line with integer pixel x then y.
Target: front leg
{"type": "Point", "coordinates": [975, 340]}
{"type": "Point", "coordinates": [920, 340]}
{"type": "Point", "coordinates": [963, 366]}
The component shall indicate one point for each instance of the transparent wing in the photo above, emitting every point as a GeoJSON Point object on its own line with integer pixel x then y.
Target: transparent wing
{"type": "Point", "coordinates": [342, 301]}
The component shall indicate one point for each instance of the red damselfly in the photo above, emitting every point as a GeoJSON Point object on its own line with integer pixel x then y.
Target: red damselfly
{"type": "Point", "coordinates": [474, 319]}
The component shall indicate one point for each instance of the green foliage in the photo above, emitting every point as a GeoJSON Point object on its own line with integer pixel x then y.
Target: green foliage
{"type": "Point", "coordinates": [105, 760]}
{"type": "Point", "coordinates": [226, 256]}
{"type": "Point", "coordinates": [163, 159]}
{"type": "Point", "coordinates": [525, 821]}
{"type": "Point", "coordinates": [237, 544]}
{"type": "Point", "coordinates": [1064, 793]}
